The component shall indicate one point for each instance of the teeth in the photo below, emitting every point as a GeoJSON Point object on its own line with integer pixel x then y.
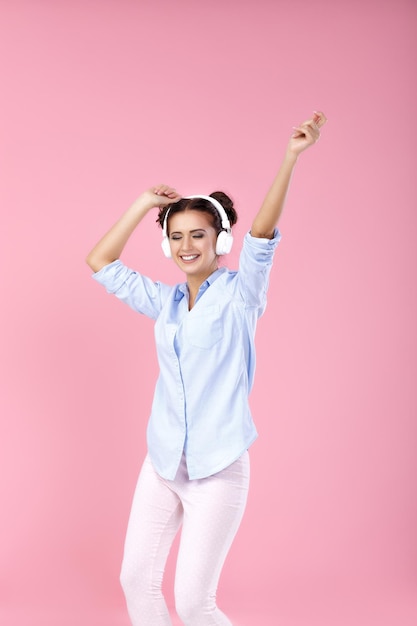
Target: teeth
{"type": "Point", "coordinates": [190, 257]}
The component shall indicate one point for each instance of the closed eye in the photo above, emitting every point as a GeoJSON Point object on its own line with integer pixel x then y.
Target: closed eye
{"type": "Point", "coordinates": [195, 235]}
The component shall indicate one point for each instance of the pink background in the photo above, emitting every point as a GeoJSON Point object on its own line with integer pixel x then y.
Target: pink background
{"type": "Point", "coordinates": [101, 99]}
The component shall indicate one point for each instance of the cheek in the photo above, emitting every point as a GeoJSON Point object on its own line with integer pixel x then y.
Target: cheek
{"type": "Point", "coordinates": [211, 245]}
{"type": "Point", "coordinates": [209, 250]}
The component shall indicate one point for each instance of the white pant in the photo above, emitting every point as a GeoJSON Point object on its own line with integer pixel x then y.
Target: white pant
{"type": "Point", "coordinates": [210, 510]}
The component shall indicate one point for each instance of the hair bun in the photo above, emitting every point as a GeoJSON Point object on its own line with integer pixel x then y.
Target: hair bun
{"type": "Point", "coordinates": [227, 204]}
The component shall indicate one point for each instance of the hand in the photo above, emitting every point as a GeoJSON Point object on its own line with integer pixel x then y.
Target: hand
{"type": "Point", "coordinates": [160, 196]}
{"type": "Point", "coordinates": [307, 133]}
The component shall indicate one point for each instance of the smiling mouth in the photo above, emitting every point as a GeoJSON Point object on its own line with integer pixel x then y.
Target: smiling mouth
{"type": "Point", "coordinates": [189, 257]}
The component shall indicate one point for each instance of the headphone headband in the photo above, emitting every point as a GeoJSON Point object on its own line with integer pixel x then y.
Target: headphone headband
{"type": "Point", "coordinates": [219, 207]}
{"type": "Point", "coordinates": [214, 202]}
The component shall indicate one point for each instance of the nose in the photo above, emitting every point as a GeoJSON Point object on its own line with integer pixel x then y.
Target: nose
{"type": "Point", "coordinates": [186, 243]}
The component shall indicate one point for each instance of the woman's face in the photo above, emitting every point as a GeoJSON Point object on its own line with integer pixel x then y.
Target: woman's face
{"type": "Point", "coordinates": [193, 243]}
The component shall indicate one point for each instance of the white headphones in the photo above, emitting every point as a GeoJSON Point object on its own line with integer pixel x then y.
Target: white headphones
{"type": "Point", "coordinates": [224, 238]}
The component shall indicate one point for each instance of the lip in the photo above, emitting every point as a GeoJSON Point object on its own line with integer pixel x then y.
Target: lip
{"type": "Point", "coordinates": [189, 258]}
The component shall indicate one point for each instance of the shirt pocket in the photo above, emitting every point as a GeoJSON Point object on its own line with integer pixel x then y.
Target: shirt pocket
{"type": "Point", "coordinates": [204, 328]}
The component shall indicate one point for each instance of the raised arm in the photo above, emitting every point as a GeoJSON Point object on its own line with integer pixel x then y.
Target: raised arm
{"type": "Point", "coordinates": [110, 247]}
{"type": "Point", "coordinates": [268, 215]}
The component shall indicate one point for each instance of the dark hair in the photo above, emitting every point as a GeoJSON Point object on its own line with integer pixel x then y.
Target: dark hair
{"type": "Point", "coordinates": [205, 206]}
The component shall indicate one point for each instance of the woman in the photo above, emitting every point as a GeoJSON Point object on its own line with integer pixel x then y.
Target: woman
{"type": "Point", "coordinates": [196, 473]}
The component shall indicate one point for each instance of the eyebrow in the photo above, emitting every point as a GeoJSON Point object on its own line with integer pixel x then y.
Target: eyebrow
{"type": "Point", "coordinates": [195, 230]}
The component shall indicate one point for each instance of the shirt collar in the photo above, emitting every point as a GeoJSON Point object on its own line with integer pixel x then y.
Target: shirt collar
{"type": "Point", "coordinates": [182, 288]}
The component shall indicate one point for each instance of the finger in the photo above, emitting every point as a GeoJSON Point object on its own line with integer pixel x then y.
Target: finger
{"type": "Point", "coordinates": [313, 128]}
{"type": "Point", "coordinates": [320, 118]}
{"type": "Point", "coordinates": [309, 130]}
{"type": "Point", "coordinates": [165, 200]}
{"type": "Point", "coordinates": [309, 123]}
{"type": "Point", "coordinates": [298, 132]}
{"type": "Point", "coordinates": [164, 190]}
{"type": "Point", "coordinates": [169, 196]}
{"type": "Point", "coordinates": [312, 123]}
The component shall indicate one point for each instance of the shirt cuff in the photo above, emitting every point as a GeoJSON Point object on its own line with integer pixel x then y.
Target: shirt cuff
{"type": "Point", "coordinates": [112, 276]}
{"type": "Point", "coordinates": [261, 242]}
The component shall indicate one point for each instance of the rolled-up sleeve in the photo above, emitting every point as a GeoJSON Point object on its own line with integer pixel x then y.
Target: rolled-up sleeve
{"type": "Point", "coordinates": [139, 292]}
{"type": "Point", "coordinates": [254, 268]}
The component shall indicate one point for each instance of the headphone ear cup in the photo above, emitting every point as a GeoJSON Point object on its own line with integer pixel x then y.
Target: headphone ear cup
{"type": "Point", "coordinates": [166, 248]}
{"type": "Point", "coordinates": [224, 242]}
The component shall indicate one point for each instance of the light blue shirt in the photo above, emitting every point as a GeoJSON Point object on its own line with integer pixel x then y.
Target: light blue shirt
{"type": "Point", "coordinates": [206, 359]}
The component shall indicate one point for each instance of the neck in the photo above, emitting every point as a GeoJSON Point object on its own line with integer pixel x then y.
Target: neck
{"type": "Point", "coordinates": [194, 283]}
